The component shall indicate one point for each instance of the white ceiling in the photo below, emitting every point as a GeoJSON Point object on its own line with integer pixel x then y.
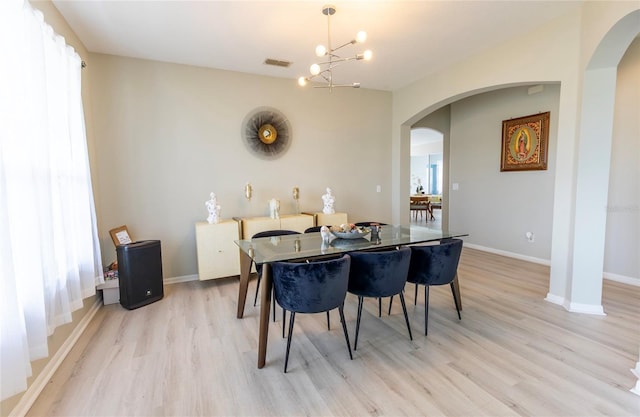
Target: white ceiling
{"type": "Point", "coordinates": [423, 135]}
{"type": "Point", "coordinates": [409, 39]}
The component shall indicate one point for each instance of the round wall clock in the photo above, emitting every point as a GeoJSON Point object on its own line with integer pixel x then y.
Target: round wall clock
{"type": "Point", "coordinates": [266, 132]}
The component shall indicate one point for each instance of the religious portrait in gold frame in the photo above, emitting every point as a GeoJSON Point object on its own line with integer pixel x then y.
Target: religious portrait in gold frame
{"type": "Point", "coordinates": [525, 142]}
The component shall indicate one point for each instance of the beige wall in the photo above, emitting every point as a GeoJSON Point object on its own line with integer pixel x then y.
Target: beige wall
{"type": "Point", "coordinates": [562, 48]}
{"type": "Point", "coordinates": [497, 208]}
{"type": "Point", "coordinates": [168, 135]}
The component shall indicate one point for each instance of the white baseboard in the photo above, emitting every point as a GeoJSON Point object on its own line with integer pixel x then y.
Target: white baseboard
{"type": "Point", "coordinates": [621, 278]}
{"type": "Point", "coordinates": [183, 278]}
{"type": "Point", "coordinates": [594, 309]}
{"type": "Point", "coordinates": [555, 299]}
{"type": "Point", "coordinates": [509, 254]}
{"type": "Point", "coordinates": [606, 275]}
{"type": "Point", "coordinates": [41, 381]}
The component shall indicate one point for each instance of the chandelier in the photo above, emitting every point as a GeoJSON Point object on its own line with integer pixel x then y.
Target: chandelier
{"type": "Point", "coordinates": [324, 69]}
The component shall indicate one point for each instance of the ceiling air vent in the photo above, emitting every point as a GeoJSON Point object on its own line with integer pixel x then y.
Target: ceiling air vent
{"type": "Point", "coordinates": [277, 63]}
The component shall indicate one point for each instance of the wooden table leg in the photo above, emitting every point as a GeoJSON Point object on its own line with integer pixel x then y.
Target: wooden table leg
{"type": "Point", "coordinates": [245, 272]}
{"type": "Point", "coordinates": [456, 288]}
{"type": "Point", "coordinates": [265, 305]}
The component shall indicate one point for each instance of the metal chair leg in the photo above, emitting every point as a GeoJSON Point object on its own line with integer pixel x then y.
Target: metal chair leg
{"type": "Point", "coordinates": [426, 308]}
{"type": "Point", "coordinates": [390, 304]}
{"type": "Point", "coordinates": [328, 321]}
{"type": "Point", "coordinates": [273, 297]}
{"type": "Point", "coordinates": [415, 296]}
{"type": "Point", "coordinates": [379, 307]}
{"type": "Point", "coordinates": [284, 320]}
{"type": "Point", "coordinates": [360, 301]}
{"type": "Point", "coordinates": [406, 317]}
{"type": "Point", "coordinates": [455, 300]}
{"type": "Point", "coordinates": [344, 328]}
{"type": "Point", "coordinates": [286, 358]}
{"type": "Point", "coordinates": [255, 299]}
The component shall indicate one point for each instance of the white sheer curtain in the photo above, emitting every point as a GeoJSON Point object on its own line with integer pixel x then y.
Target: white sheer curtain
{"type": "Point", "coordinates": [49, 252]}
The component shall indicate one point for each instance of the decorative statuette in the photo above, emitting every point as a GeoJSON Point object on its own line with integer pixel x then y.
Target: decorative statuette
{"type": "Point", "coordinates": [248, 191]}
{"type": "Point", "coordinates": [214, 209]}
{"type": "Point", "coordinates": [329, 201]}
{"type": "Point", "coordinates": [325, 232]}
{"type": "Point", "coordinates": [274, 208]}
{"type": "Point", "coordinates": [296, 196]}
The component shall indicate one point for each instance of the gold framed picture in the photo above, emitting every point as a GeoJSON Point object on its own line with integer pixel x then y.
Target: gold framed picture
{"type": "Point", "coordinates": [120, 235]}
{"type": "Point", "coordinates": [525, 142]}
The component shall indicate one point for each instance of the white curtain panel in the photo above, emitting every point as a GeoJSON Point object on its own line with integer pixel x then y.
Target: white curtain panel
{"type": "Point", "coordinates": [49, 243]}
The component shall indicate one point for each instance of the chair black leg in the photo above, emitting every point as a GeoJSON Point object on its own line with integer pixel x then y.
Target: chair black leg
{"type": "Point", "coordinates": [379, 307]}
{"type": "Point", "coordinates": [286, 358]}
{"type": "Point", "coordinates": [455, 300]}
{"type": "Point", "coordinates": [390, 304]}
{"type": "Point", "coordinates": [415, 297]}
{"type": "Point", "coordinates": [406, 317]}
{"type": "Point", "coordinates": [273, 303]}
{"type": "Point", "coordinates": [255, 299]}
{"type": "Point", "coordinates": [426, 308]}
{"type": "Point", "coordinates": [344, 328]}
{"type": "Point", "coordinates": [360, 301]}
{"type": "Point", "coordinates": [328, 321]}
{"type": "Point", "coordinates": [284, 320]}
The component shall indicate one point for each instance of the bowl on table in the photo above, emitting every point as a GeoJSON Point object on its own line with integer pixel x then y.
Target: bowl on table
{"type": "Point", "coordinates": [349, 231]}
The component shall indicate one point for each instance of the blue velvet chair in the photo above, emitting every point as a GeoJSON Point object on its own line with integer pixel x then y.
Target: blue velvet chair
{"type": "Point", "coordinates": [367, 224]}
{"type": "Point", "coordinates": [312, 287]}
{"type": "Point", "coordinates": [435, 265]}
{"type": "Point", "coordinates": [267, 233]}
{"type": "Point", "coordinates": [379, 274]}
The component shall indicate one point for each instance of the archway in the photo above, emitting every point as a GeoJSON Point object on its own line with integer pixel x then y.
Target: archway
{"type": "Point", "coordinates": [582, 287]}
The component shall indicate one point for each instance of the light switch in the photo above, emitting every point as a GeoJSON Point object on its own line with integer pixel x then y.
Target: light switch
{"type": "Point", "coordinates": [378, 188]}
{"type": "Point", "coordinates": [454, 186]}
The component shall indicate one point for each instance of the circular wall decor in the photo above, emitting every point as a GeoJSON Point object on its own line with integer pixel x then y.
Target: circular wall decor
{"type": "Point", "coordinates": [266, 132]}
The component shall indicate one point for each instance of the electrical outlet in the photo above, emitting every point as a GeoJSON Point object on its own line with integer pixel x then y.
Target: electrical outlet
{"type": "Point", "coordinates": [530, 237]}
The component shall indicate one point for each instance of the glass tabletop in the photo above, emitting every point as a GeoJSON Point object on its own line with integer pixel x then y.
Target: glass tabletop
{"type": "Point", "coordinates": [311, 245]}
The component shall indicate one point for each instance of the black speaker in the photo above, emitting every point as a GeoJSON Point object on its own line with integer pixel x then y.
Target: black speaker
{"type": "Point", "coordinates": [140, 273]}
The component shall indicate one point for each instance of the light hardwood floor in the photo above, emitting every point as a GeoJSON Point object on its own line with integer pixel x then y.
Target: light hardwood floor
{"type": "Point", "coordinates": [511, 354]}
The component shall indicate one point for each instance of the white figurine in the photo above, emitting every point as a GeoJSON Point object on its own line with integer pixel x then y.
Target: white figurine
{"type": "Point", "coordinates": [325, 233]}
{"type": "Point", "coordinates": [214, 209]}
{"type": "Point", "coordinates": [329, 201]}
{"type": "Point", "coordinates": [274, 208]}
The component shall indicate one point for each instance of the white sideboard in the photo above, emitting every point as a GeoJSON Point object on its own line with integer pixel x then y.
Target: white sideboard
{"type": "Point", "coordinates": [218, 254]}
{"type": "Point", "coordinates": [335, 219]}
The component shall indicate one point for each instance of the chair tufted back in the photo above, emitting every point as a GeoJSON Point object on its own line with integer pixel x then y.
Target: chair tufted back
{"type": "Point", "coordinates": [311, 287]}
{"type": "Point", "coordinates": [379, 274]}
{"type": "Point", "coordinates": [435, 264]}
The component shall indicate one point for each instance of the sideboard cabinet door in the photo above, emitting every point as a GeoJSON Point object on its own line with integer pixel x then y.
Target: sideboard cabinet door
{"type": "Point", "coordinates": [218, 254]}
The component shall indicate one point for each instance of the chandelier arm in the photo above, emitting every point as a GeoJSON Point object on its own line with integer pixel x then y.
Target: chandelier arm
{"type": "Point", "coordinates": [353, 41]}
{"type": "Point", "coordinates": [333, 59]}
{"type": "Point", "coordinates": [337, 61]}
{"type": "Point", "coordinates": [330, 86]}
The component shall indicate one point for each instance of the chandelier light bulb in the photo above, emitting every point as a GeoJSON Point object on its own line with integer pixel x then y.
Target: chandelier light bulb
{"type": "Point", "coordinates": [331, 57]}
{"type": "Point", "coordinates": [314, 69]}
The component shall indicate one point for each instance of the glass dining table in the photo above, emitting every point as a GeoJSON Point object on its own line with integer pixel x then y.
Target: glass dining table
{"type": "Point", "coordinates": [312, 246]}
